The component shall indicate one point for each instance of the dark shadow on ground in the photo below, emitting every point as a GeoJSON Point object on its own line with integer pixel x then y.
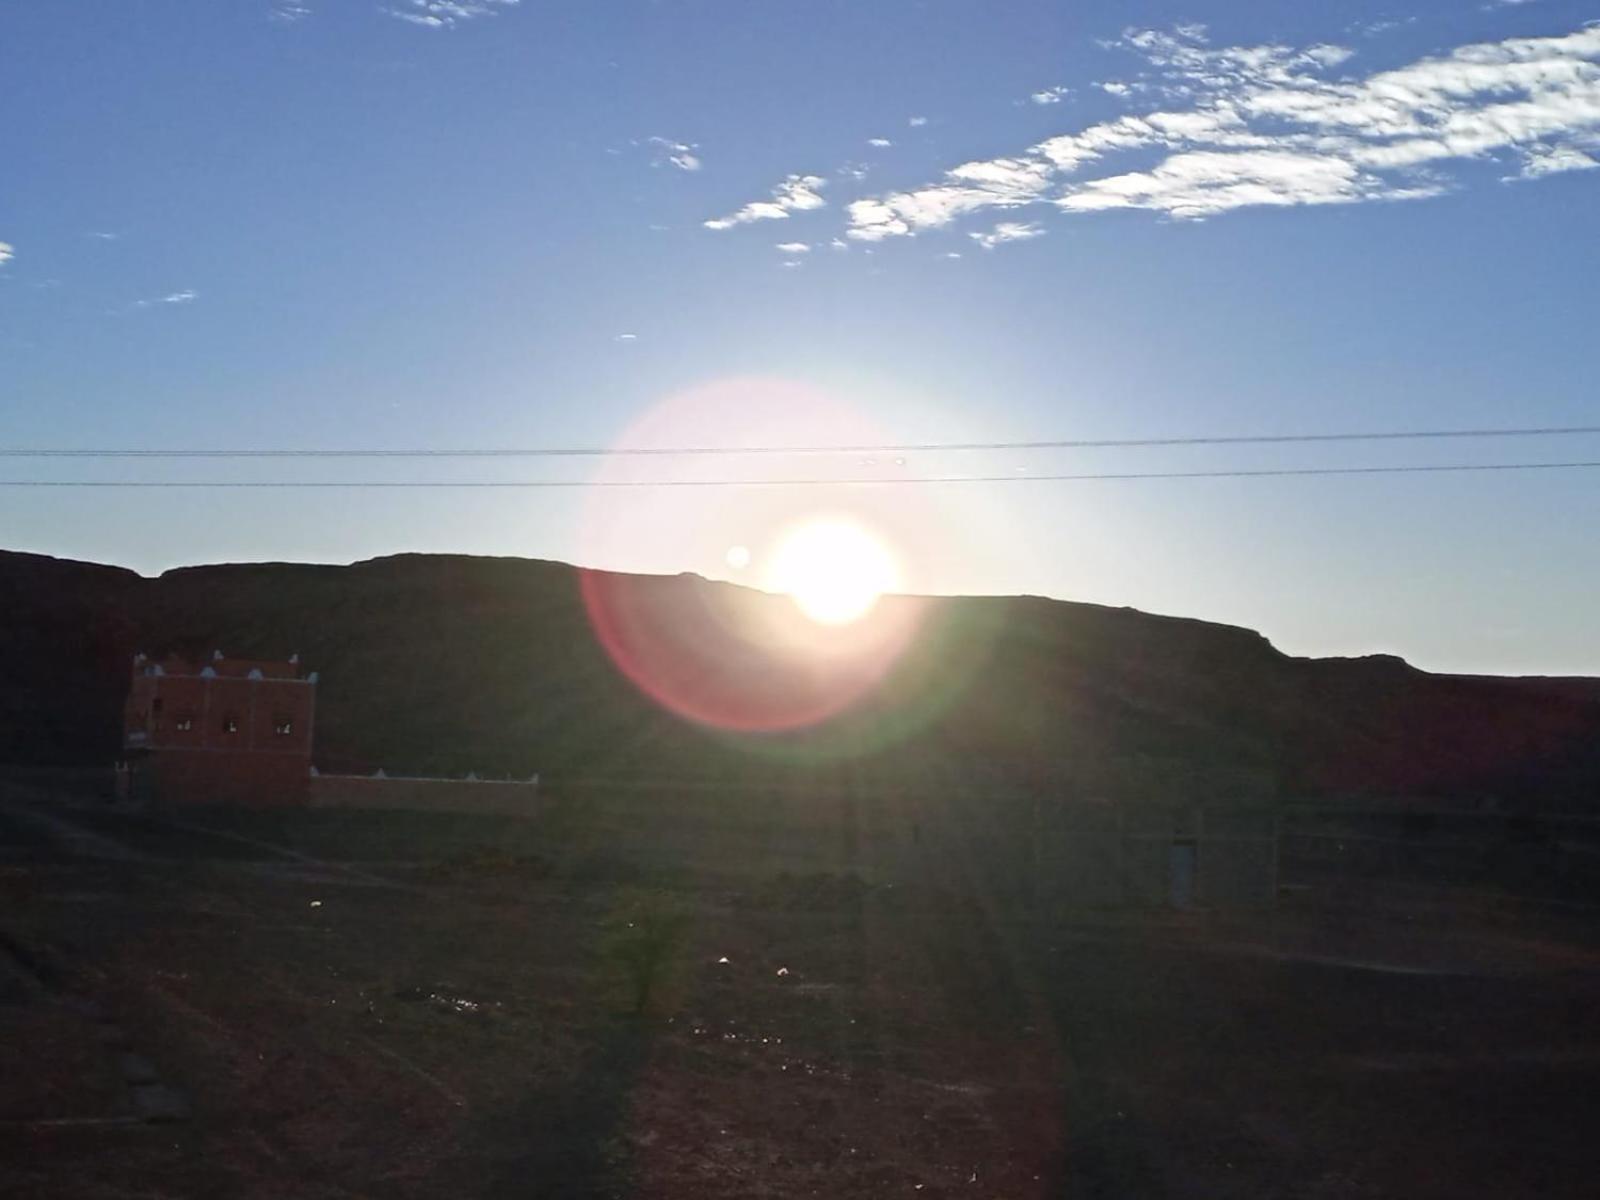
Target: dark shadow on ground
{"type": "Point", "coordinates": [570, 1131]}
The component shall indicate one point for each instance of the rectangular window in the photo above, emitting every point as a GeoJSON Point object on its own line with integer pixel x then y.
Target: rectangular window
{"type": "Point", "coordinates": [282, 726]}
{"type": "Point", "coordinates": [184, 723]}
{"type": "Point", "coordinates": [230, 724]}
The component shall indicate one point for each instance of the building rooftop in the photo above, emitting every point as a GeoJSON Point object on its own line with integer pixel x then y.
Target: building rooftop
{"type": "Point", "coordinates": [221, 666]}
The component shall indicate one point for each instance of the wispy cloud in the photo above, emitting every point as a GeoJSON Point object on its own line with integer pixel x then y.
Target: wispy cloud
{"type": "Point", "coordinates": [1275, 125]}
{"type": "Point", "coordinates": [186, 296]}
{"type": "Point", "coordinates": [879, 143]}
{"type": "Point", "coordinates": [797, 193]}
{"type": "Point", "coordinates": [447, 14]}
{"type": "Point", "coordinates": [917, 122]}
{"type": "Point", "coordinates": [7, 252]}
{"type": "Point", "coordinates": [1007, 231]}
{"type": "Point", "coordinates": [288, 12]}
{"type": "Point", "coordinates": [1369, 29]}
{"type": "Point", "coordinates": [1202, 183]}
{"type": "Point", "coordinates": [795, 247]}
{"type": "Point", "coordinates": [972, 187]}
{"type": "Point", "coordinates": [1051, 95]}
{"type": "Point", "coordinates": [102, 235]}
{"type": "Point", "coordinates": [678, 154]}
{"type": "Point", "coordinates": [1540, 161]}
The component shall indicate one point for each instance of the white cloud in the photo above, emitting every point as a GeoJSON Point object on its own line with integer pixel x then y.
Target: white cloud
{"type": "Point", "coordinates": [971, 187]}
{"type": "Point", "coordinates": [288, 12]}
{"type": "Point", "coordinates": [1052, 95]}
{"type": "Point", "coordinates": [1276, 125]}
{"type": "Point", "coordinates": [917, 122]}
{"type": "Point", "coordinates": [1007, 231]}
{"type": "Point", "coordinates": [102, 235]}
{"type": "Point", "coordinates": [797, 193]}
{"type": "Point", "coordinates": [626, 337]}
{"type": "Point", "coordinates": [1205, 182]}
{"type": "Point", "coordinates": [186, 296]}
{"type": "Point", "coordinates": [446, 14]}
{"type": "Point", "coordinates": [874, 220]}
{"type": "Point", "coordinates": [1371, 29]}
{"type": "Point", "coordinates": [678, 154]}
{"type": "Point", "coordinates": [880, 143]}
{"type": "Point", "coordinates": [1540, 161]}
{"type": "Point", "coordinates": [1115, 87]}
{"type": "Point", "coordinates": [7, 252]}
{"type": "Point", "coordinates": [795, 247]}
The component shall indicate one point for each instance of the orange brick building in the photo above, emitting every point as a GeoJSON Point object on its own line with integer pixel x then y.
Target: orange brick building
{"type": "Point", "coordinates": [230, 731]}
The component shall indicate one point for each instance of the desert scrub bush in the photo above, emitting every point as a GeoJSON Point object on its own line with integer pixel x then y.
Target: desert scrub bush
{"type": "Point", "coordinates": [643, 945]}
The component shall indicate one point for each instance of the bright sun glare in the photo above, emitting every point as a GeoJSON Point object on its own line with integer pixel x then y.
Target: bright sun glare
{"type": "Point", "coordinates": [833, 568]}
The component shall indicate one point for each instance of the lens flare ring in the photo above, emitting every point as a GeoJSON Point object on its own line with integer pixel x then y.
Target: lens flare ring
{"type": "Point", "coordinates": [735, 659]}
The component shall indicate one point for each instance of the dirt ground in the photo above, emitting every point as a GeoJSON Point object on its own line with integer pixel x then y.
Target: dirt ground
{"type": "Point", "coordinates": [393, 1005]}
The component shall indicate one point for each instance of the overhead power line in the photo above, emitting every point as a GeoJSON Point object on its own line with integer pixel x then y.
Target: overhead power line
{"type": "Point", "coordinates": [1267, 473]}
{"type": "Point", "coordinates": [876, 448]}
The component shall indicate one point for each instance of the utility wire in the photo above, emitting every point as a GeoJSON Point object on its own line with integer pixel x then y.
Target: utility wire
{"type": "Point", "coordinates": [880, 448]}
{"type": "Point", "coordinates": [808, 482]}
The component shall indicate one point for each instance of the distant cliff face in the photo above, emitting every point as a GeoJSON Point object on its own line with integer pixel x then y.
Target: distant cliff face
{"type": "Point", "coordinates": [449, 664]}
{"type": "Point", "coordinates": [65, 629]}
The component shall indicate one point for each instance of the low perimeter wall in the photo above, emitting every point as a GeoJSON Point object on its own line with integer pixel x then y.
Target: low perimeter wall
{"type": "Point", "coordinates": [514, 798]}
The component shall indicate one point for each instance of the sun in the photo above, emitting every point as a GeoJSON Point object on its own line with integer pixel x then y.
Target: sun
{"type": "Point", "coordinates": [834, 569]}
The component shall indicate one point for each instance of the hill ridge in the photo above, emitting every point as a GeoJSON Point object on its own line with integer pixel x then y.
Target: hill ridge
{"type": "Point", "coordinates": [445, 663]}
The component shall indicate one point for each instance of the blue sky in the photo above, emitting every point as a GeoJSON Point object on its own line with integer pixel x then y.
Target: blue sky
{"type": "Point", "coordinates": [464, 225]}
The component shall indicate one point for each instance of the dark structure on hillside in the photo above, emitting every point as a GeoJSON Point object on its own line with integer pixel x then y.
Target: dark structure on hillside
{"type": "Point", "coordinates": [1144, 855]}
{"type": "Point", "coordinates": [233, 731]}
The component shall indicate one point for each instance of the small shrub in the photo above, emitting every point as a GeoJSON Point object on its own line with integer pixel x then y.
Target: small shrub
{"type": "Point", "coordinates": [643, 942]}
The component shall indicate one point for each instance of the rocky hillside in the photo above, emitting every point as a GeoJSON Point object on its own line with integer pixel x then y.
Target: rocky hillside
{"type": "Point", "coordinates": [445, 664]}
